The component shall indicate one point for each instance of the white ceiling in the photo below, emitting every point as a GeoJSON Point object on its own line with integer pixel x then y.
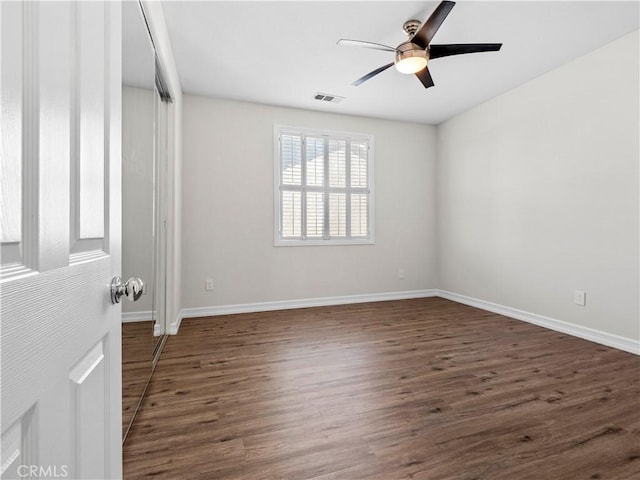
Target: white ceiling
{"type": "Point", "coordinates": [282, 53]}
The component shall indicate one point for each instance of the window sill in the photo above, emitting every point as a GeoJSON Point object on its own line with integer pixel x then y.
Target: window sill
{"type": "Point", "coordinates": [325, 243]}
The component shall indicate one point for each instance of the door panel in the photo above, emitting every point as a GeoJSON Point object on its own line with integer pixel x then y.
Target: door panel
{"type": "Point", "coordinates": [60, 334]}
{"type": "Point", "coordinates": [17, 446]}
{"type": "Point", "coordinates": [90, 113]}
{"type": "Point", "coordinates": [48, 81]}
{"type": "Point", "coordinates": [88, 392]}
{"type": "Point", "coordinates": [11, 162]}
{"type": "Point", "coordinates": [88, 133]}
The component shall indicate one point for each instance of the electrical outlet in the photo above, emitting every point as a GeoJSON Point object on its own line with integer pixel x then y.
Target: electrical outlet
{"type": "Point", "coordinates": [208, 284]}
{"type": "Point", "coordinates": [580, 298]}
{"type": "Point", "coordinates": [401, 274]}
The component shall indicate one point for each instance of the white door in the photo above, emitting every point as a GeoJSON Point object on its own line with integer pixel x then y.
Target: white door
{"type": "Point", "coordinates": [60, 231]}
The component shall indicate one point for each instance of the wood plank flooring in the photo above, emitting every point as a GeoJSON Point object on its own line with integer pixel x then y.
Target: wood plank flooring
{"type": "Point", "coordinates": [137, 349]}
{"type": "Point", "coordinates": [421, 389]}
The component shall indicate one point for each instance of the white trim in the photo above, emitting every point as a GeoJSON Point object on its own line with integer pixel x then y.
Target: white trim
{"type": "Point", "coordinates": [130, 317]}
{"type": "Point", "coordinates": [162, 45]}
{"type": "Point", "coordinates": [290, 304]}
{"type": "Point", "coordinates": [332, 241]}
{"type": "Point", "coordinates": [145, 316]}
{"type": "Point", "coordinates": [621, 343]}
{"type": "Point", "coordinates": [175, 325]}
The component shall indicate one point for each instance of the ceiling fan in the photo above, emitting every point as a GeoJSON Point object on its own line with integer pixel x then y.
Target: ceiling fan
{"type": "Point", "coordinates": [413, 55]}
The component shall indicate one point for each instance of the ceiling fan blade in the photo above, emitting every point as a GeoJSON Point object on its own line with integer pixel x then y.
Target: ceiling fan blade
{"type": "Point", "coordinates": [429, 28]}
{"type": "Point", "coordinates": [360, 43]}
{"type": "Point", "coordinates": [437, 51]}
{"type": "Point", "coordinates": [372, 74]}
{"type": "Point", "coordinates": [425, 77]}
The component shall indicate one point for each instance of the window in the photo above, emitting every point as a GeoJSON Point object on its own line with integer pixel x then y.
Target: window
{"type": "Point", "coordinates": [323, 193]}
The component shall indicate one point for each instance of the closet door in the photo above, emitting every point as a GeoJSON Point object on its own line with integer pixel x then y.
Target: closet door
{"type": "Point", "coordinates": [60, 234]}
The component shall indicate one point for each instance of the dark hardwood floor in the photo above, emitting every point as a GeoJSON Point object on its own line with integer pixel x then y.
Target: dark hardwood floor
{"type": "Point", "coordinates": [422, 389]}
{"type": "Point", "coordinates": [137, 349]}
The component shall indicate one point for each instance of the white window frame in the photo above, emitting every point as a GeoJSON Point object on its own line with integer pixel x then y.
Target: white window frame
{"type": "Point", "coordinates": [278, 130]}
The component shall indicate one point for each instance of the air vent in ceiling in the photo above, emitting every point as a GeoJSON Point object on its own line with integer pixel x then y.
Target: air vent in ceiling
{"type": "Point", "coordinates": [327, 97]}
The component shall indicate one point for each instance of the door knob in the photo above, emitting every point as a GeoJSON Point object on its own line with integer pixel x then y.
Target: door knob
{"type": "Point", "coordinates": [132, 289]}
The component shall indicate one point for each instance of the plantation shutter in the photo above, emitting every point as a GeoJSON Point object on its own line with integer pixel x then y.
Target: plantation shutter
{"type": "Point", "coordinates": [291, 186]}
{"type": "Point", "coordinates": [323, 187]}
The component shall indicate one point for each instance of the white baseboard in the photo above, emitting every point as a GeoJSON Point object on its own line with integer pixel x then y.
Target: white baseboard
{"type": "Point", "coordinates": [137, 316]}
{"type": "Point", "coordinates": [290, 304]}
{"type": "Point", "coordinates": [175, 325]}
{"type": "Point", "coordinates": [622, 343]}
{"type": "Point", "coordinates": [145, 316]}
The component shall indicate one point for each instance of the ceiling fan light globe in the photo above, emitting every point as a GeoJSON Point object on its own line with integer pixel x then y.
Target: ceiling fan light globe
{"type": "Point", "coordinates": [411, 64]}
{"type": "Point", "coordinates": [410, 58]}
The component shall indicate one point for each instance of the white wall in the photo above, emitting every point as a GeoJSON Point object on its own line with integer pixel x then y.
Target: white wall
{"type": "Point", "coordinates": [538, 194]}
{"type": "Point", "coordinates": [227, 210]}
